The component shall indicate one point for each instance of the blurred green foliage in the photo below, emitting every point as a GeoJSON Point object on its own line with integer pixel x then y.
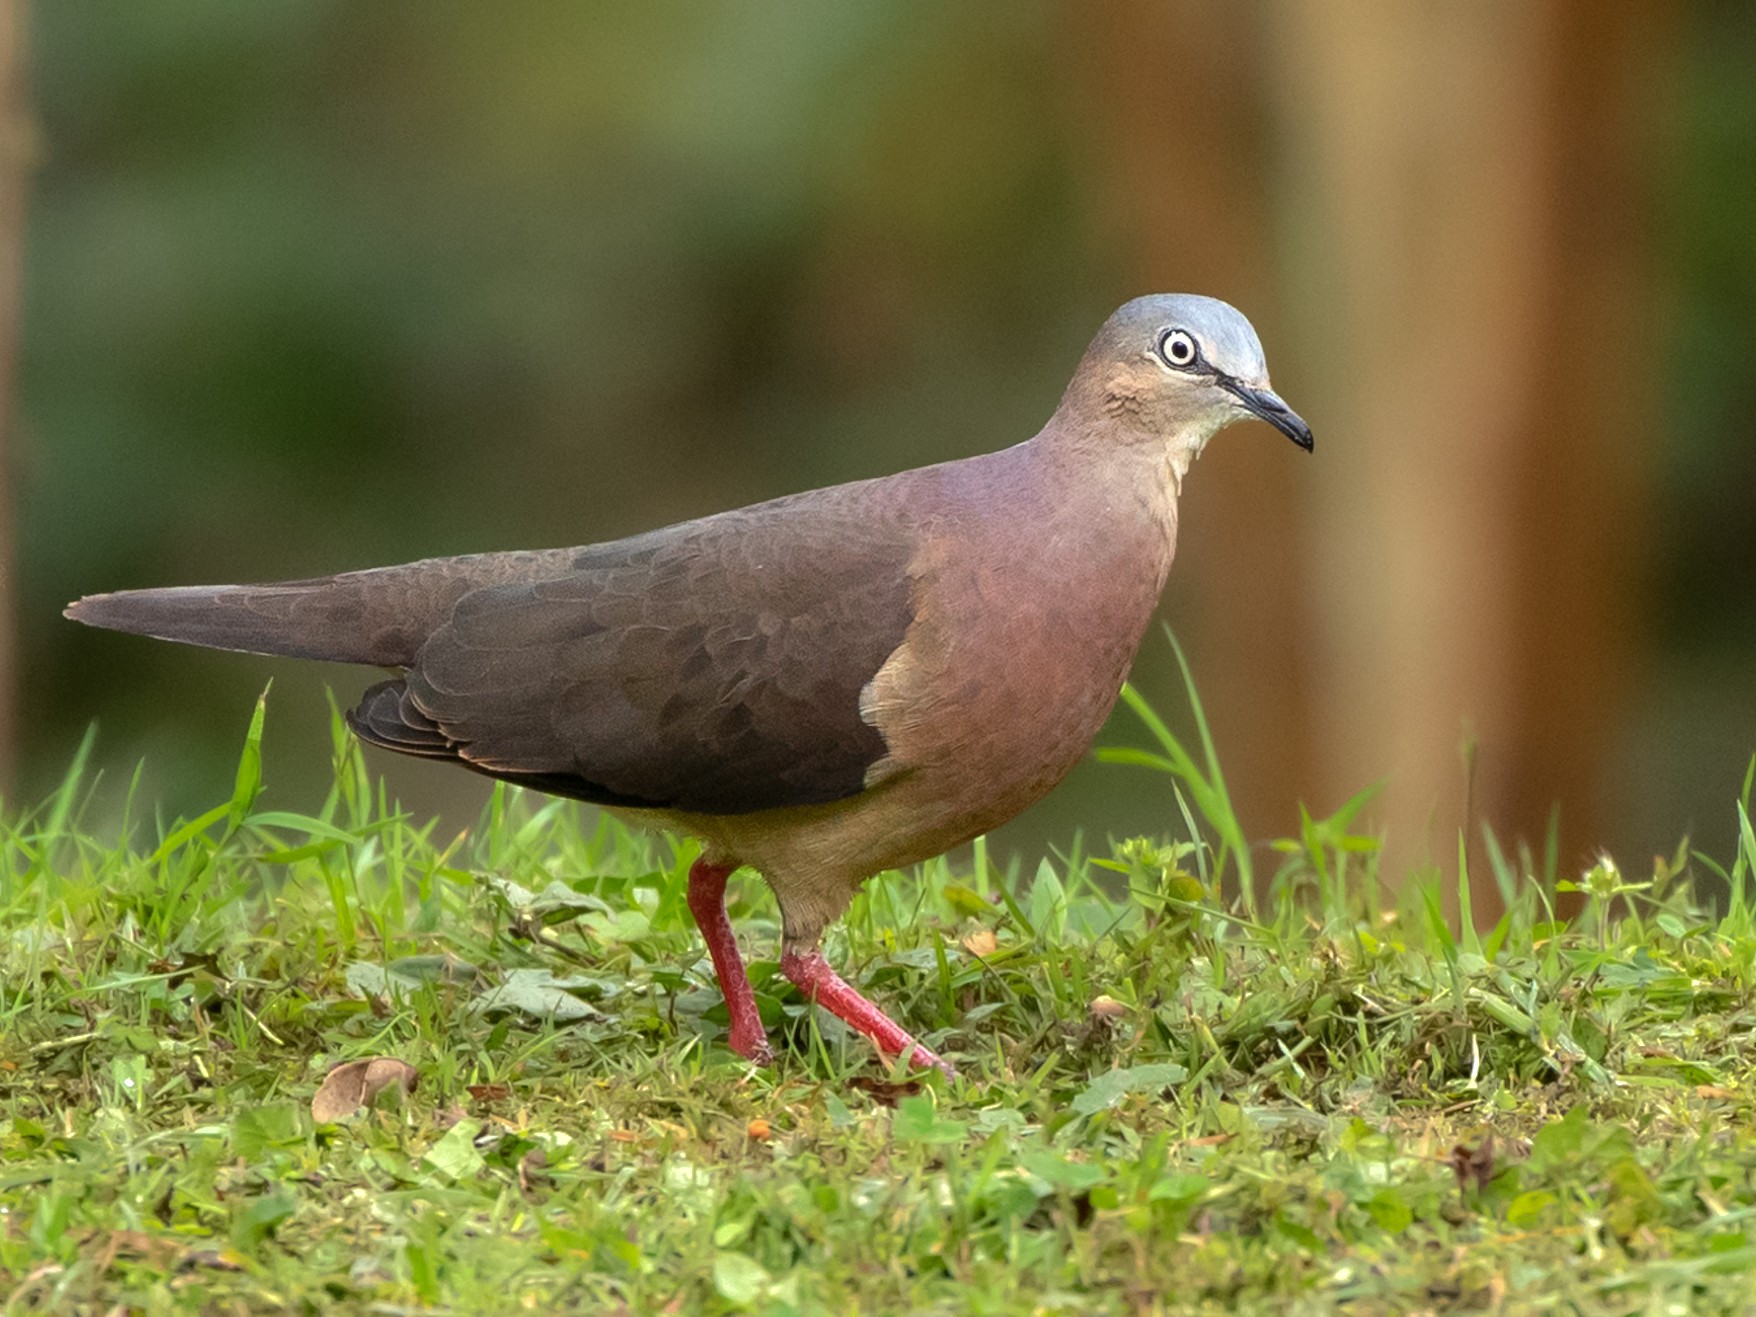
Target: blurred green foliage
{"type": "Point", "coordinates": [1710, 255]}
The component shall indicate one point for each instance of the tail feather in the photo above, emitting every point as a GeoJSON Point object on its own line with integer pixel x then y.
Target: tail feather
{"type": "Point", "coordinates": [381, 617]}
{"type": "Point", "coordinates": [313, 620]}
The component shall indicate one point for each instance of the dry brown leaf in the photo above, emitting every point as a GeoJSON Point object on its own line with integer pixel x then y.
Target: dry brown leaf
{"type": "Point", "coordinates": [353, 1084]}
{"type": "Point", "coordinates": [982, 942]}
{"type": "Point", "coordinates": [1714, 1091]}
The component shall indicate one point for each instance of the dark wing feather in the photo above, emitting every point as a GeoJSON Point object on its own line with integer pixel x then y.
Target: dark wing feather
{"type": "Point", "coordinates": [386, 716]}
{"type": "Point", "coordinates": [715, 667]}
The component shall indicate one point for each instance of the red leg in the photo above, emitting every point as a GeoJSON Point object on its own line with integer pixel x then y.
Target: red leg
{"type": "Point", "coordinates": [811, 973]}
{"type": "Point", "coordinates": [707, 902]}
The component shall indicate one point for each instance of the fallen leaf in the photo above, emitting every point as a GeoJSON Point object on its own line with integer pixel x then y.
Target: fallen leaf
{"type": "Point", "coordinates": [455, 1154]}
{"type": "Point", "coordinates": [740, 1280]}
{"type": "Point", "coordinates": [556, 901]}
{"type": "Point", "coordinates": [1714, 1091]}
{"type": "Point", "coordinates": [1112, 1086]}
{"type": "Point", "coordinates": [982, 942]}
{"type": "Point", "coordinates": [538, 994]}
{"type": "Point", "coordinates": [353, 1084]}
{"type": "Point", "coordinates": [443, 968]}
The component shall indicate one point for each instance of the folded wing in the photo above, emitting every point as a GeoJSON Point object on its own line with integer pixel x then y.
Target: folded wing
{"type": "Point", "coordinates": [715, 667]}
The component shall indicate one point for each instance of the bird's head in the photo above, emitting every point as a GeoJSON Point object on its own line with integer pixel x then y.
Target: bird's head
{"type": "Point", "coordinates": [1179, 367]}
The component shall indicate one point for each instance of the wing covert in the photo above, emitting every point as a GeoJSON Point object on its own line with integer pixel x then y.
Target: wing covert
{"type": "Point", "coordinates": [716, 668]}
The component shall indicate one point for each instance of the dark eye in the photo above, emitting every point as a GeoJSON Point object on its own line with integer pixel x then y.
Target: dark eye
{"type": "Point", "coordinates": [1178, 349]}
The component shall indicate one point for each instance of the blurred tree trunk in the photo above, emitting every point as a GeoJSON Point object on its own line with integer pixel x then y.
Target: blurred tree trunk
{"type": "Point", "coordinates": [1177, 125]}
{"type": "Point", "coordinates": [1467, 189]}
{"type": "Point", "coordinates": [15, 158]}
{"type": "Point", "coordinates": [1435, 215]}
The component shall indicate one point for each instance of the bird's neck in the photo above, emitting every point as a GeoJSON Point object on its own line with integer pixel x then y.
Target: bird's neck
{"type": "Point", "coordinates": [1058, 518]}
{"type": "Point", "coordinates": [1118, 470]}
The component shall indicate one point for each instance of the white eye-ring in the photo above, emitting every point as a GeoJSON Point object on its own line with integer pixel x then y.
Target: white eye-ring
{"type": "Point", "coordinates": [1177, 347]}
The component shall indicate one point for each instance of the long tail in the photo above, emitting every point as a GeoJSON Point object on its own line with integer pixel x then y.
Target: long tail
{"type": "Point", "coordinates": [380, 617]}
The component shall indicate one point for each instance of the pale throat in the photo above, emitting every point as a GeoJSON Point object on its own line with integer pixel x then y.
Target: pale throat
{"type": "Point", "coordinates": [1186, 445]}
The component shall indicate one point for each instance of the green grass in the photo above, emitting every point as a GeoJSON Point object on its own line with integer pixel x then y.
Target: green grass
{"type": "Point", "coordinates": [1318, 1095]}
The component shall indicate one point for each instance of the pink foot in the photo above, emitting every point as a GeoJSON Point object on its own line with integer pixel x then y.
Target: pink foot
{"type": "Point", "coordinates": [813, 977]}
{"type": "Point", "coordinates": [707, 902]}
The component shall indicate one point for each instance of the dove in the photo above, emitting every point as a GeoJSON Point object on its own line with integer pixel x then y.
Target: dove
{"type": "Point", "coordinates": [819, 687]}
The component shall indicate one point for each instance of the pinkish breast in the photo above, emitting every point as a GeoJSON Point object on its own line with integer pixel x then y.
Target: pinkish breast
{"type": "Point", "coordinates": [1026, 632]}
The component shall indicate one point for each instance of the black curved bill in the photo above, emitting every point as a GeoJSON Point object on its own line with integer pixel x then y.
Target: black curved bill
{"type": "Point", "coordinates": [1266, 403]}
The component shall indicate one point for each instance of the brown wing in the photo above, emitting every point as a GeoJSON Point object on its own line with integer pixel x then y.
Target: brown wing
{"type": "Point", "coordinates": [713, 667]}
